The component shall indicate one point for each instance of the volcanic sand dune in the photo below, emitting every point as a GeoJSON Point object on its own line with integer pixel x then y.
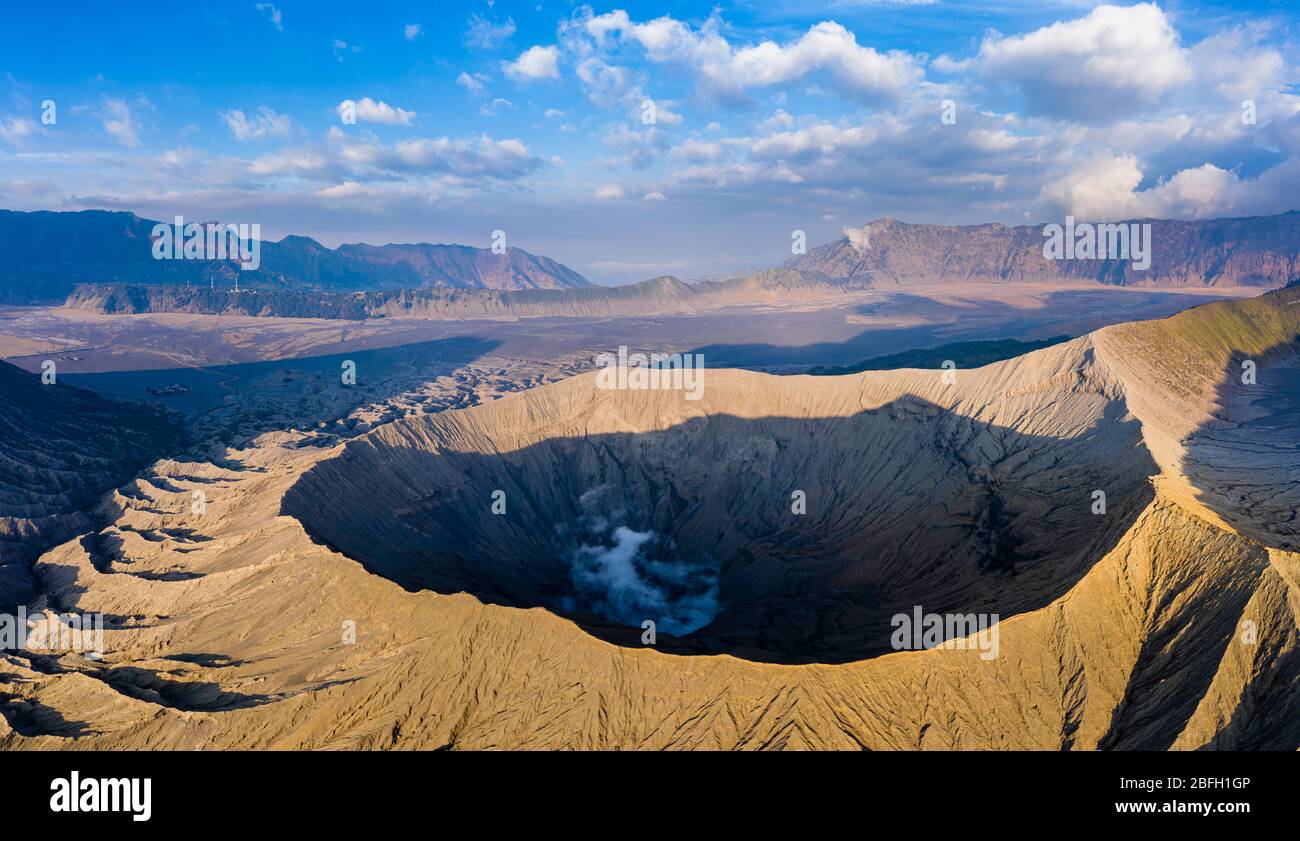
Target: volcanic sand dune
{"type": "Point", "coordinates": [1168, 622]}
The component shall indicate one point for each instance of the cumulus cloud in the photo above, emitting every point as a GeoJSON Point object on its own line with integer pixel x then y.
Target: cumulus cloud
{"type": "Point", "coordinates": [1105, 187]}
{"type": "Point", "coordinates": [370, 111]}
{"type": "Point", "coordinates": [827, 46]}
{"type": "Point", "coordinates": [1237, 66]}
{"type": "Point", "coordinates": [265, 123]}
{"type": "Point", "coordinates": [1113, 62]}
{"type": "Point", "coordinates": [411, 31]}
{"type": "Point", "coordinates": [536, 62]}
{"type": "Point", "coordinates": [654, 197]}
{"type": "Point", "coordinates": [609, 191]}
{"type": "Point", "coordinates": [722, 69]}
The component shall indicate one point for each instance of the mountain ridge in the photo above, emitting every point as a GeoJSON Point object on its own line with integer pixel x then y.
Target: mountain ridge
{"type": "Point", "coordinates": [358, 281]}
{"type": "Point", "coordinates": [1262, 251]}
{"type": "Point", "coordinates": [44, 255]}
{"type": "Point", "coordinates": [61, 448]}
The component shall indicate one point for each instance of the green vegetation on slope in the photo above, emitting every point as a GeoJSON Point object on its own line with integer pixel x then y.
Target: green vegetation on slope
{"type": "Point", "coordinates": [964, 354]}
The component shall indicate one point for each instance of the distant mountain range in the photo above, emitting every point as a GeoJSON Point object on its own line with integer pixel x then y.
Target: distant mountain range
{"type": "Point", "coordinates": [45, 255]}
{"type": "Point", "coordinates": [102, 261]}
{"type": "Point", "coordinates": [658, 296]}
{"type": "Point", "coordinates": [1259, 251]}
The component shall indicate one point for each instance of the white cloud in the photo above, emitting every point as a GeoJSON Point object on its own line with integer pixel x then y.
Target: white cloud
{"type": "Point", "coordinates": [411, 31]}
{"type": "Point", "coordinates": [472, 83]}
{"type": "Point", "coordinates": [893, 160]}
{"type": "Point", "coordinates": [370, 111]}
{"type": "Point", "coordinates": [1105, 188]}
{"type": "Point", "coordinates": [664, 112]}
{"type": "Point", "coordinates": [948, 64]}
{"type": "Point", "coordinates": [1113, 62]}
{"type": "Point", "coordinates": [827, 46]}
{"type": "Point", "coordinates": [818, 139]}
{"type": "Point", "coordinates": [292, 161]}
{"type": "Point", "coordinates": [607, 84]}
{"type": "Point", "coordinates": [491, 109]}
{"type": "Point", "coordinates": [534, 63]}
{"type": "Point", "coordinates": [346, 190]}
{"type": "Point", "coordinates": [363, 161]}
{"type": "Point", "coordinates": [272, 13]}
{"type": "Point", "coordinates": [1111, 113]}
{"type": "Point", "coordinates": [699, 151]}
{"type": "Point", "coordinates": [484, 34]}
{"type": "Point", "coordinates": [722, 175]}
{"type": "Point", "coordinates": [637, 148]}
{"type": "Point", "coordinates": [119, 123]}
{"type": "Point", "coordinates": [477, 156]}
{"type": "Point", "coordinates": [1236, 66]}
{"type": "Point", "coordinates": [341, 47]}
{"type": "Point", "coordinates": [1199, 192]}
{"type": "Point", "coordinates": [16, 129]}
{"type": "Point", "coordinates": [266, 123]}
{"type": "Point", "coordinates": [780, 119]}
{"type": "Point", "coordinates": [722, 69]}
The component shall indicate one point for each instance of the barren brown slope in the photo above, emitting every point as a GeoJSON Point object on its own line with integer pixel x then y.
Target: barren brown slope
{"type": "Point", "coordinates": [61, 448]}
{"type": "Point", "coordinates": [1143, 648]}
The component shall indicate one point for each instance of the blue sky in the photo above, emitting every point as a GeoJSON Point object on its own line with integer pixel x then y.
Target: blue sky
{"type": "Point", "coordinates": [531, 118]}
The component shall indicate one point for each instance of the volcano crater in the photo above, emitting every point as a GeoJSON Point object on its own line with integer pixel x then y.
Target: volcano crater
{"type": "Point", "coordinates": [905, 503]}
